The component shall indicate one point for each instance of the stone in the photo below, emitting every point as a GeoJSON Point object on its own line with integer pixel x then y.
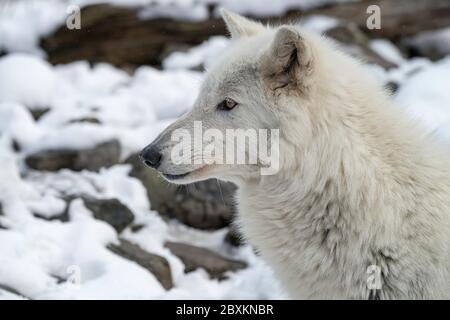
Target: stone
{"type": "Point", "coordinates": [37, 113]}
{"type": "Point", "coordinates": [155, 264]}
{"type": "Point", "coordinates": [12, 291]}
{"type": "Point", "coordinates": [2, 214]}
{"type": "Point", "coordinates": [196, 257]}
{"type": "Point", "coordinates": [103, 155]}
{"type": "Point", "coordinates": [91, 120]}
{"type": "Point", "coordinates": [112, 211]}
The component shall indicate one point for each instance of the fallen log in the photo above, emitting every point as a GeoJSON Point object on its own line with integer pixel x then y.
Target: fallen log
{"type": "Point", "coordinates": [399, 18]}
{"type": "Point", "coordinates": [118, 35]}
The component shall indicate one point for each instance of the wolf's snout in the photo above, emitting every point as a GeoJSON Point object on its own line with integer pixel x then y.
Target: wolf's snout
{"type": "Point", "coordinates": [151, 156]}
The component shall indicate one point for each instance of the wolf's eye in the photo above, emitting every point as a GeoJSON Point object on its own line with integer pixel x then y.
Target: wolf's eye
{"type": "Point", "coordinates": [227, 104]}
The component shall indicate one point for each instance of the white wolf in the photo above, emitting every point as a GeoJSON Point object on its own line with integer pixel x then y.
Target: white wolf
{"type": "Point", "coordinates": [359, 186]}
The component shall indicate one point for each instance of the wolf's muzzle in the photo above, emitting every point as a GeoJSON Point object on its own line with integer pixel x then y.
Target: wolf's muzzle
{"type": "Point", "coordinates": [151, 156]}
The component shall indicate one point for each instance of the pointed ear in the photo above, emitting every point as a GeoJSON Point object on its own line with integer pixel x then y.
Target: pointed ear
{"type": "Point", "coordinates": [239, 26]}
{"type": "Point", "coordinates": [288, 61]}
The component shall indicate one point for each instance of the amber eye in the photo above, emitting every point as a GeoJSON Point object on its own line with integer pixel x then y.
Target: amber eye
{"type": "Point", "coordinates": [227, 104]}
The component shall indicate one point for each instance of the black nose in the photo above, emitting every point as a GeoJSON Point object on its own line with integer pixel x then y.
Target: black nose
{"type": "Point", "coordinates": [151, 156]}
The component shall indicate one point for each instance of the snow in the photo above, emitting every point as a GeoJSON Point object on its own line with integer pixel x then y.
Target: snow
{"type": "Point", "coordinates": [29, 81]}
{"type": "Point", "coordinates": [426, 95]}
{"type": "Point", "coordinates": [23, 22]}
{"type": "Point", "coordinates": [387, 50]}
{"type": "Point", "coordinates": [203, 54]}
{"type": "Point", "coordinates": [35, 254]}
{"type": "Point", "coordinates": [435, 42]}
{"type": "Point", "coordinates": [130, 109]}
{"type": "Point", "coordinates": [319, 24]}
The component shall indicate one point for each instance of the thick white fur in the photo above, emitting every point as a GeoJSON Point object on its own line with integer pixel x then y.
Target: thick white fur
{"type": "Point", "coordinates": [368, 189]}
{"type": "Point", "coordinates": [359, 184]}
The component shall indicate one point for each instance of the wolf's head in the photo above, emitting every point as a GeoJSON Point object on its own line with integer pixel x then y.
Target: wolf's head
{"type": "Point", "coordinates": [267, 80]}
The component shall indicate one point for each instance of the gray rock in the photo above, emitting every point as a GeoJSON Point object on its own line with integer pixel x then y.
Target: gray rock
{"type": "Point", "coordinates": [12, 291]}
{"type": "Point", "coordinates": [204, 205]}
{"type": "Point", "coordinates": [112, 211]}
{"type": "Point", "coordinates": [38, 113]}
{"type": "Point", "coordinates": [16, 145]}
{"type": "Point", "coordinates": [2, 214]}
{"type": "Point", "coordinates": [157, 265]}
{"type": "Point", "coordinates": [91, 120]}
{"type": "Point", "coordinates": [392, 87]}
{"type": "Point", "coordinates": [103, 155]}
{"type": "Point", "coordinates": [137, 227]}
{"type": "Point", "coordinates": [431, 44]}
{"type": "Point", "coordinates": [63, 217]}
{"type": "Point", "coordinates": [195, 257]}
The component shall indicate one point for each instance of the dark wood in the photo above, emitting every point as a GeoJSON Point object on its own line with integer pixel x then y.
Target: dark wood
{"type": "Point", "coordinates": [119, 36]}
{"type": "Point", "coordinates": [399, 18]}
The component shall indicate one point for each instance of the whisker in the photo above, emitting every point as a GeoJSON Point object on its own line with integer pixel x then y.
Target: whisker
{"type": "Point", "coordinates": [220, 190]}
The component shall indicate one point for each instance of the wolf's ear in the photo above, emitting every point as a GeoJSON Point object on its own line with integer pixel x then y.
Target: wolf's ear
{"type": "Point", "coordinates": [239, 26]}
{"type": "Point", "coordinates": [288, 60]}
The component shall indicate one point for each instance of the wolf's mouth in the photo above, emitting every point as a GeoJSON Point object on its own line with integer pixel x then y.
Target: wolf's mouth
{"type": "Point", "coordinates": [175, 176]}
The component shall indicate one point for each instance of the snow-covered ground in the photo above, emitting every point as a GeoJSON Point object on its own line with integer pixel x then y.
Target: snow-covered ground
{"type": "Point", "coordinates": [132, 109]}
{"type": "Point", "coordinates": [35, 253]}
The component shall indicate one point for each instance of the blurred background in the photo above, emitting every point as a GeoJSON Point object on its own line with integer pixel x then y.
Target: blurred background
{"type": "Point", "coordinates": [86, 84]}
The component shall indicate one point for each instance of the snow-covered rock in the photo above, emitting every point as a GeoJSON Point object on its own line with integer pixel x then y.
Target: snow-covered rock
{"type": "Point", "coordinates": [433, 44]}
